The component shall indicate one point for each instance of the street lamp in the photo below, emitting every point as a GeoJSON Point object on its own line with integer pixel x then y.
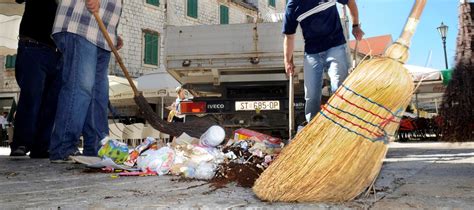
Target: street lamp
{"type": "Point", "coordinates": [443, 30]}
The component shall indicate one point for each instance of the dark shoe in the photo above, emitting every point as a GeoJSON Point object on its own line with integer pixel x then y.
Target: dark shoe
{"type": "Point", "coordinates": [39, 155]}
{"type": "Point", "coordinates": [20, 151]}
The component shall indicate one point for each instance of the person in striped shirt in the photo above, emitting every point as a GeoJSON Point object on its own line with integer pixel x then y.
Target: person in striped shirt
{"type": "Point", "coordinates": [83, 98]}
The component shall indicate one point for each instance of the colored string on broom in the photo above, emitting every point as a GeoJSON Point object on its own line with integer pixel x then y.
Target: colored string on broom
{"type": "Point", "coordinates": [381, 135]}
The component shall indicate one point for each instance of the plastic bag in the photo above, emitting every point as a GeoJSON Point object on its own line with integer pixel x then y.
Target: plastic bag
{"type": "Point", "coordinates": [159, 161]}
{"type": "Point", "coordinates": [133, 156]}
{"type": "Point", "coordinates": [205, 171]}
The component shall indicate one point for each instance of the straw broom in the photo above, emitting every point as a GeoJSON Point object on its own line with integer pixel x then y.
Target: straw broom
{"type": "Point", "coordinates": [340, 152]}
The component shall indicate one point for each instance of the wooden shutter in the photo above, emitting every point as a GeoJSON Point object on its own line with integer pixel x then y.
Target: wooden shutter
{"type": "Point", "coordinates": [192, 9]}
{"type": "Point", "coordinates": [154, 49]}
{"type": "Point", "coordinates": [224, 14]}
{"type": "Point", "coordinates": [153, 2]}
{"type": "Point", "coordinates": [10, 61]}
{"type": "Point", "coordinates": [271, 3]}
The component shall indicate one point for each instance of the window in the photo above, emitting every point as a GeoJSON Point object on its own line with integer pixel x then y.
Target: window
{"type": "Point", "coordinates": [153, 2]}
{"type": "Point", "coordinates": [271, 3]}
{"type": "Point", "coordinates": [250, 19]}
{"type": "Point", "coordinates": [224, 14]}
{"type": "Point", "coordinates": [151, 48]}
{"type": "Point", "coordinates": [10, 61]}
{"type": "Point", "coordinates": [192, 8]}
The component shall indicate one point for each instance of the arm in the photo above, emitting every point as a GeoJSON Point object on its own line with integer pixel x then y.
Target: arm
{"type": "Point", "coordinates": [288, 48]}
{"type": "Point", "coordinates": [356, 29]}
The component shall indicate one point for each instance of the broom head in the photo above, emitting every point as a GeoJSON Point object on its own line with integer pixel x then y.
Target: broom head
{"type": "Point", "coordinates": [340, 152]}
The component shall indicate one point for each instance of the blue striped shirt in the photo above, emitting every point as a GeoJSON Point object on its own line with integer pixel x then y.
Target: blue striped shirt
{"type": "Point", "coordinates": [319, 21]}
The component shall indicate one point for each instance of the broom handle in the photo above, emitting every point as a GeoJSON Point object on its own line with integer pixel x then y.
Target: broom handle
{"type": "Point", "coordinates": [114, 50]}
{"type": "Point", "coordinates": [412, 22]}
{"type": "Point", "coordinates": [291, 108]}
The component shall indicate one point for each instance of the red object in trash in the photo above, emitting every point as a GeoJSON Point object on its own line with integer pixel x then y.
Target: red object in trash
{"type": "Point", "coordinates": [243, 134]}
{"type": "Point", "coordinates": [148, 172]}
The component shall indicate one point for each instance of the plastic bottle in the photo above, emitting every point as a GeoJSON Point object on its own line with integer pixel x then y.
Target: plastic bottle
{"type": "Point", "coordinates": [213, 136]}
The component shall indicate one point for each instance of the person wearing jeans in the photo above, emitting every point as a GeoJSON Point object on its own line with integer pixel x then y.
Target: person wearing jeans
{"type": "Point", "coordinates": [38, 77]}
{"type": "Point", "coordinates": [325, 45]}
{"type": "Point", "coordinates": [83, 99]}
{"type": "Point", "coordinates": [335, 61]}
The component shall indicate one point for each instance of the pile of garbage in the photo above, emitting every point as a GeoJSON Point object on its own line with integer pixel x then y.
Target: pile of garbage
{"type": "Point", "coordinates": [241, 159]}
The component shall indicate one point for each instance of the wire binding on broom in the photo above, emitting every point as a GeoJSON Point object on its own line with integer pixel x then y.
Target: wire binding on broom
{"type": "Point", "coordinates": [385, 140]}
{"type": "Point", "coordinates": [373, 102]}
{"type": "Point", "coordinates": [362, 108]}
{"type": "Point", "coordinates": [361, 119]}
{"type": "Point", "coordinates": [352, 123]}
{"type": "Point", "coordinates": [381, 135]}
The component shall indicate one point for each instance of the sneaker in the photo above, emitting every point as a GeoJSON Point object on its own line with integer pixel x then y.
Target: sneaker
{"type": "Point", "coordinates": [68, 159]}
{"type": "Point", "coordinates": [20, 151]}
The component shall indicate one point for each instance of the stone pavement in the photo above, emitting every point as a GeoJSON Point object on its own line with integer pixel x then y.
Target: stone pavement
{"type": "Point", "coordinates": [414, 175]}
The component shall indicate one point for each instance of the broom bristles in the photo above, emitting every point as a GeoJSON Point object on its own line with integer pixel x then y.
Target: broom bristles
{"type": "Point", "coordinates": [340, 152]}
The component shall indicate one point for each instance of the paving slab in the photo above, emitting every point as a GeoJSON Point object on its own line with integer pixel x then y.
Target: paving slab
{"type": "Point", "coordinates": [414, 175]}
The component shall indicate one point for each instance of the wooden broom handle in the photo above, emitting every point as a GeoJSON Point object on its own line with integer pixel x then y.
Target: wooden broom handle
{"type": "Point", "coordinates": [114, 50]}
{"type": "Point", "coordinates": [412, 22]}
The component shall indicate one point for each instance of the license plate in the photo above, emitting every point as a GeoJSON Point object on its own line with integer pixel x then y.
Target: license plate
{"type": "Point", "coordinates": [254, 105]}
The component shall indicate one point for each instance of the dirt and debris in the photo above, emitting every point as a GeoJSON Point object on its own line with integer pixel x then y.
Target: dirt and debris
{"type": "Point", "coordinates": [244, 168]}
{"type": "Point", "coordinates": [243, 174]}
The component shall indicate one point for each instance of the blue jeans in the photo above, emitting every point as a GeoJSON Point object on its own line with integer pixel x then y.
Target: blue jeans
{"type": "Point", "coordinates": [82, 106]}
{"type": "Point", "coordinates": [336, 63]}
{"type": "Point", "coordinates": [39, 79]}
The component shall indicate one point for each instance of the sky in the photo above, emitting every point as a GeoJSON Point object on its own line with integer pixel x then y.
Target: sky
{"type": "Point", "coordinates": [380, 17]}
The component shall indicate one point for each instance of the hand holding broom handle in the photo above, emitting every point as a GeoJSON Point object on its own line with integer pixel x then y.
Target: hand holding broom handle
{"type": "Point", "coordinates": [399, 50]}
{"type": "Point", "coordinates": [114, 50]}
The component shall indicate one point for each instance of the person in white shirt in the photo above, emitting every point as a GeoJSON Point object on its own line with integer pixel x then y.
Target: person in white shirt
{"type": "Point", "coordinates": [176, 112]}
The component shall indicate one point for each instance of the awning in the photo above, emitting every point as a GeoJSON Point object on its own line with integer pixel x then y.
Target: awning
{"type": "Point", "coordinates": [423, 73]}
{"type": "Point", "coordinates": [429, 95]}
{"type": "Point", "coordinates": [119, 88]}
{"type": "Point", "coordinates": [10, 26]}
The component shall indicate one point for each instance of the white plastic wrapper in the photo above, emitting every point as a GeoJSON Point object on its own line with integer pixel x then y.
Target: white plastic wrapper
{"type": "Point", "coordinates": [205, 171]}
{"type": "Point", "coordinates": [159, 161]}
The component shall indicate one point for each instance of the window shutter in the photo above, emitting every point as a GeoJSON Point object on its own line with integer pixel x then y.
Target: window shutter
{"type": "Point", "coordinates": [147, 57]}
{"type": "Point", "coordinates": [224, 14]}
{"type": "Point", "coordinates": [151, 49]}
{"type": "Point", "coordinates": [192, 8]}
{"type": "Point", "coordinates": [271, 3]}
{"type": "Point", "coordinates": [153, 2]}
{"type": "Point", "coordinates": [10, 61]}
{"type": "Point", "coordinates": [154, 51]}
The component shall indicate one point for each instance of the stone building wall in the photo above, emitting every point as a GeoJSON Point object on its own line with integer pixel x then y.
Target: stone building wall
{"type": "Point", "coordinates": [138, 16]}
